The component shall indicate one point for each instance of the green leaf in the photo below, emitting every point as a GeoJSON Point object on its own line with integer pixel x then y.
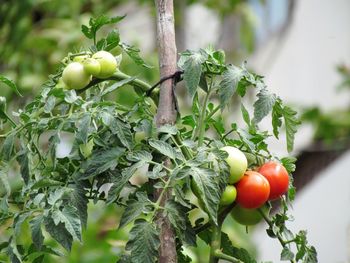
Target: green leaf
{"type": "Point", "coordinates": [228, 85]}
{"type": "Point", "coordinates": [100, 162]}
{"type": "Point", "coordinates": [18, 221]}
{"type": "Point", "coordinates": [110, 42]}
{"type": "Point", "coordinates": [83, 125]}
{"type": "Point", "coordinates": [143, 156]}
{"type": "Point", "coordinates": [311, 255]}
{"type": "Point", "coordinates": [23, 160]}
{"type": "Point", "coordinates": [207, 184]}
{"type": "Point", "coordinates": [96, 23]}
{"type": "Point", "coordinates": [59, 233]}
{"type": "Point", "coordinates": [80, 201]}
{"type": "Point", "coordinates": [134, 54]}
{"type": "Point", "coordinates": [245, 115]}
{"type": "Point", "coordinates": [287, 254]}
{"type": "Point", "coordinates": [264, 104]}
{"type": "Point", "coordinates": [70, 218]}
{"type": "Point", "coordinates": [192, 67]}
{"type": "Point", "coordinates": [123, 131]}
{"type": "Point", "coordinates": [7, 147]}
{"type": "Point", "coordinates": [10, 84]}
{"type": "Point", "coordinates": [290, 120]}
{"type": "Point", "coordinates": [117, 85]}
{"type": "Point", "coordinates": [37, 235]}
{"type": "Point", "coordinates": [134, 209]}
{"type": "Point", "coordinates": [289, 163]}
{"type": "Point", "coordinates": [178, 217]}
{"type": "Point", "coordinates": [46, 182]}
{"type": "Point", "coordinates": [292, 124]}
{"type": "Point", "coordinates": [119, 179]}
{"type": "Point", "coordinates": [13, 252]}
{"type": "Point", "coordinates": [143, 242]}
{"type": "Point", "coordinates": [50, 104]}
{"type": "Point", "coordinates": [165, 149]}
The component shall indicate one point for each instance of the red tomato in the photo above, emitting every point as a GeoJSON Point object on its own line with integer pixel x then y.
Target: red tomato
{"type": "Point", "coordinates": [252, 190]}
{"type": "Point", "coordinates": [278, 178]}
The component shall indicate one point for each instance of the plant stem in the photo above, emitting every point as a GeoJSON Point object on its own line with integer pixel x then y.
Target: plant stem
{"type": "Point", "coordinates": [213, 112]}
{"type": "Point", "coordinates": [215, 243]}
{"type": "Point", "coordinates": [202, 120]}
{"type": "Point", "coordinates": [224, 256]}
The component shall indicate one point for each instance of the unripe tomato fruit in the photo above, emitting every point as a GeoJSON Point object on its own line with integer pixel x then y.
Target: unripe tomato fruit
{"type": "Point", "coordinates": [92, 66]}
{"type": "Point", "coordinates": [278, 178]}
{"type": "Point", "coordinates": [107, 62]}
{"type": "Point", "coordinates": [237, 162]}
{"type": "Point", "coordinates": [228, 196]}
{"type": "Point", "coordinates": [246, 216]}
{"type": "Point", "coordinates": [80, 58]}
{"type": "Point", "coordinates": [75, 77]}
{"type": "Point", "coordinates": [253, 190]}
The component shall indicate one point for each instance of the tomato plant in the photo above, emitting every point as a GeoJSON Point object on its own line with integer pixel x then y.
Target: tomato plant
{"type": "Point", "coordinates": [252, 190]}
{"type": "Point", "coordinates": [277, 176]}
{"type": "Point", "coordinates": [200, 150]}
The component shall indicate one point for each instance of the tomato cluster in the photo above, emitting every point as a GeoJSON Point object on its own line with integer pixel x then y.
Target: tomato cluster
{"type": "Point", "coordinates": [79, 73]}
{"type": "Point", "coordinates": [251, 189]}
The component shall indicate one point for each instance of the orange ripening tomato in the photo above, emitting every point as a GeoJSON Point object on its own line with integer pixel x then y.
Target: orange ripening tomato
{"type": "Point", "coordinates": [278, 178]}
{"type": "Point", "coordinates": [253, 190]}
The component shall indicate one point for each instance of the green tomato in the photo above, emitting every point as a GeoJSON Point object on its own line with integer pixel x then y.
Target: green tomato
{"type": "Point", "coordinates": [140, 136]}
{"type": "Point", "coordinates": [80, 58]}
{"type": "Point", "coordinates": [86, 149]}
{"type": "Point", "coordinates": [75, 77]}
{"type": "Point", "coordinates": [245, 216]}
{"type": "Point", "coordinates": [107, 62]}
{"type": "Point", "coordinates": [237, 162]}
{"type": "Point", "coordinates": [92, 66]}
{"type": "Point", "coordinates": [228, 196]}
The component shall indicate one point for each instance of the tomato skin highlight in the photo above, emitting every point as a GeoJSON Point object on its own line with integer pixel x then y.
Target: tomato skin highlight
{"type": "Point", "coordinates": [107, 62]}
{"type": "Point", "coordinates": [228, 196]}
{"type": "Point", "coordinates": [278, 178]}
{"type": "Point", "coordinates": [253, 190]}
{"type": "Point", "coordinates": [246, 216]}
{"type": "Point", "coordinates": [75, 77]}
{"type": "Point", "coordinates": [237, 162]}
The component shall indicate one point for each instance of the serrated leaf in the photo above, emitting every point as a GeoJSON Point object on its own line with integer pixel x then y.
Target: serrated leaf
{"type": "Point", "coordinates": [83, 125]}
{"type": "Point", "coordinates": [178, 217]}
{"type": "Point", "coordinates": [192, 67]}
{"type": "Point", "coordinates": [134, 54]}
{"type": "Point", "coordinates": [50, 104]}
{"type": "Point", "coordinates": [96, 23]}
{"type": "Point", "coordinates": [59, 233]}
{"type": "Point", "coordinates": [168, 129]}
{"type": "Point", "coordinates": [276, 117]}
{"type": "Point", "coordinates": [264, 104]}
{"type": "Point", "coordinates": [70, 96]}
{"type": "Point", "coordinates": [7, 147]}
{"type": "Point", "coordinates": [289, 163]}
{"type": "Point", "coordinates": [207, 184]}
{"type": "Point", "coordinates": [134, 209]}
{"type": "Point", "coordinates": [23, 160]}
{"type": "Point", "coordinates": [13, 252]}
{"type": "Point", "coordinates": [143, 242]}
{"type": "Point", "coordinates": [141, 156]}
{"type": "Point", "coordinates": [80, 201]}
{"type": "Point", "coordinates": [287, 254]}
{"type": "Point", "coordinates": [292, 124]}
{"type": "Point", "coordinates": [228, 85]}
{"type": "Point", "coordinates": [10, 84]}
{"type": "Point", "coordinates": [46, 182]}
{"type": "Point", "coordinates": [123, 131]}
{"type": "Point", "coordinates": [311, 255]}
{"type": "Point", "coordinates": [117, 85]}
{"type": "Point", "coordinates": [37, 235]}
{"type": "Point", "coordinates": [164, 148]}
{"type": "Point", "coordinates": [119, 179]}
{"type": "Point", "coordinates": [245, 115]}
{"type": "Point", "coordinates": [101, 161]}
{"type": "Point", "coordinates": [70, 218]}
